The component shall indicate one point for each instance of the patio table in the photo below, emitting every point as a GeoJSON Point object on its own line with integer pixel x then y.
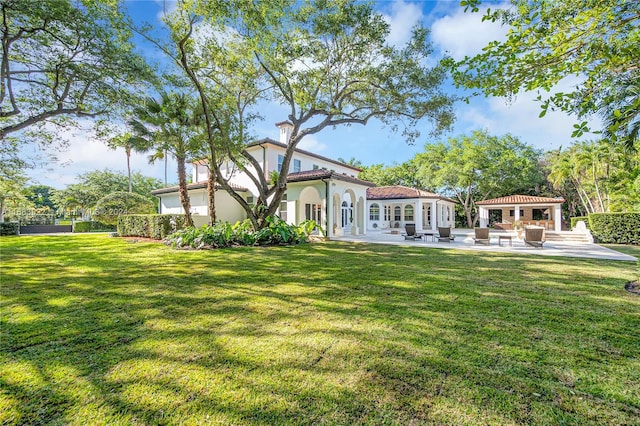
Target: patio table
{"type": "Point", "coordinates": [506, 238]}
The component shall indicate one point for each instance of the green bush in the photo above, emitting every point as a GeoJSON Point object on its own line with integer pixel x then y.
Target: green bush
{"type": "Point", "coordinates": [575, 220]}
{"type": "Point", "coordinates": [157, 226]}
{"type": "Point", "coordinates": [108, 208]}
{"type": "Point", "coordinates": [9, 228]}
{"type": "Point", "coordinates": [276, 232]}
{"type": "Point", "coordinates": [617, 228]}
{"type": "Point", "coordinates": [133, 225]}
{"type": "Point", "coordinates": [163, 225]}
{"type": "Point", "coordinates": [92, 227]}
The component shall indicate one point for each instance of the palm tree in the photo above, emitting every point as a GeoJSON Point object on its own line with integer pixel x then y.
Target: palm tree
{"type": "Point", "coordinates": [129, 143]}
{"type": "Point", "coordinates": [171, 124]}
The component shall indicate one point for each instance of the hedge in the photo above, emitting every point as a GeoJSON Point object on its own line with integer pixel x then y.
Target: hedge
{"type": "Point", "coordinates": [618, 228]}
{"type": "Point", "coordinates": [92, 227]}
{"type": "Point", "coordinates": [575, 220]}
{"type": "Point", "coordinates": [156, 226]}
{"type": "Point", "coordinates": [9, 228]}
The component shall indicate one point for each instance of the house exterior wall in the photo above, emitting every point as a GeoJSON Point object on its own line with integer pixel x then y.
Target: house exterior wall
{"type": "Point", "coordinates": [227, 209]}
{"type": "Point", "coordinates": [427, 213]}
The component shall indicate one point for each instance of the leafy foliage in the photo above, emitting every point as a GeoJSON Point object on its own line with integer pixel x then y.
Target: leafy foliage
{"type": "Point", "coordinates": [91, 226]}
{"type": "Point", "coordinates": [602, 176]}
{"type": "Point", "coordinates": [109, 207]}
{"type": "Point", "coordinates": [96, 184]}
{"type": "Point", "coordinates": [479, 166]}
{"type": "Point", "coordinates": [9, 228]}
{"type": "Point", "coordinates": [596, 40]}
{"type": "Point", "coordinates": [64, 59]}
{"type": "Point", "coordinates": [171, 125]}
{"type": "Point", "coordinates": [619, 228]}
{"type": "Point", "coordinates": [156, 226]}
{"type": "Point", "coordinates": [277, 232]}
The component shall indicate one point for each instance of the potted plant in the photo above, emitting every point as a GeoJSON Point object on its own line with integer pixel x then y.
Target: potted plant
{"type": "Point", "coordinates": [518, 226]}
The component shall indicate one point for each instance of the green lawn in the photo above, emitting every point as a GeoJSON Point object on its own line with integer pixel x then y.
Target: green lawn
{"type": "Point", "coordinates": [99, 330]}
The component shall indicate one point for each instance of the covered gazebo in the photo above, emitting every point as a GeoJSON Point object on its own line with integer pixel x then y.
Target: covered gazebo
{"type": "Point", "coordinates": [539, 211]}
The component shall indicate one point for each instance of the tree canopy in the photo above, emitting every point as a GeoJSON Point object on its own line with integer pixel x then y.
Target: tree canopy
{"type": "Point", "coordinates": [327, 62]}
{"type": "Point", "coordinates": [472, 168]}
{"type": "Point", "coordinates": [92, 186]}
{"type": "Point", "coordinates": [63, 58]}
{"type": "Point", "coordinates": [594, 41]}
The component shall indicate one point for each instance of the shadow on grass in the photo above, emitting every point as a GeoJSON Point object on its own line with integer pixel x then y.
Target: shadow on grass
{"type": "Point", "coordinates": [100, 330]}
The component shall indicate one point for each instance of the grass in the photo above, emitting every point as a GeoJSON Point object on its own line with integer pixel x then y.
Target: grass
{"type": "Point", "coordinates": [99, 330]}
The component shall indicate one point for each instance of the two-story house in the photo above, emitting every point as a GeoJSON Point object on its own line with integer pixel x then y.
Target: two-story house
{"type": "Point", "coordinates": [318, 188]}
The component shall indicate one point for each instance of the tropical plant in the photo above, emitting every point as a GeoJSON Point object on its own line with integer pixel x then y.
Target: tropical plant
{"type": "Point", "coordinates": [171, 124]}
{"type": "Point", "coordinates": [130, 143]}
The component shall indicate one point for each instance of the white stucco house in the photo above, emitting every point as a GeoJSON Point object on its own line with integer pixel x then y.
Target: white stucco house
{"type": "Point", "coordinates": [318, 188]}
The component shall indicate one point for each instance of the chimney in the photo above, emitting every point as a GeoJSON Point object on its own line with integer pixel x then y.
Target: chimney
{"type": "Point", "coordinates": [285, 131]}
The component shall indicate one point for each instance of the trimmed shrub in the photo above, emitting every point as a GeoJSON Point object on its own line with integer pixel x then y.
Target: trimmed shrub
{"type": "Point", "coordinates": [617, 228]}
{"type": "Point", "coordinates": [92, 227]}
{"type": "Point", "coordinates": [133, 225]}
{"type": "Point", "coordinates": [9, 228]}
{"type": "Point", "coordinates": [163, 225]}
{"type": "Point", "coordinates": [157, 226]}
{"type": "Point", "coordinates": [108, 208]}
{"type": "Point", "coordinates": [575, 220]}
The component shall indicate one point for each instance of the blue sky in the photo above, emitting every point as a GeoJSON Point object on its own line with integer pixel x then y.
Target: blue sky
{"type": "Point", "coordinates": [452, 31]}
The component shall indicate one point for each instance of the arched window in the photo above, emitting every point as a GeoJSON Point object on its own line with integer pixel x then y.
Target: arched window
{"type": "Point", "coordinates": [374, 212]}
{"type": "Point", "coordinates": [408, 213]}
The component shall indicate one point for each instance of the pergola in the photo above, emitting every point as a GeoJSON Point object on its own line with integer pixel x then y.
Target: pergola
{"type": "Point", "coordinates": [521, 207]}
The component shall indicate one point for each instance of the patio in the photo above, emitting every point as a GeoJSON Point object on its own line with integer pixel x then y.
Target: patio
{"type": "Point", "coordinates": [464, 241]}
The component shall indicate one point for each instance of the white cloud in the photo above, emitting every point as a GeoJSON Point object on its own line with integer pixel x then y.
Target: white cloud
{"type": "Point", "coordinates": [312, 144]}
{"type": "Point", "coordinates": [464, 34]}
{"type": "Point", "coordinates": [520, 118]}
{"type": "Point", "coordinates": [401, 19]}
{"type": "Point", "coordinates": [86, 153]}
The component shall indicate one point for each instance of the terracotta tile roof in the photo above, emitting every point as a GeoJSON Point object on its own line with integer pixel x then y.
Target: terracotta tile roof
{"type": "Point", "coordinates": [197, 185]}
{"type": "Point", "coordinates": [400, 192]}
{"type": "Point", "coordinates": [521, 199]}
{"type": "Point", "coordinates": [324, 174]}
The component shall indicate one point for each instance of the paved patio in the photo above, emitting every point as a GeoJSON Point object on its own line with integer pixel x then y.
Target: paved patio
{"type": "Point", "coordinates": [464, 241]}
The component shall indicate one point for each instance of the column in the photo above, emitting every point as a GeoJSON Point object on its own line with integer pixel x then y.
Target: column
{"type": "Point", "coordinates": [484, 217]}
{"type": "Point", "coordinates": [434, 215]}
{"type": "Point", "coordinates": [516, 213]}
{"type": "Point", "coordinates": [557, 218]}
{"type": "Point", "coordinates": [417, 215]}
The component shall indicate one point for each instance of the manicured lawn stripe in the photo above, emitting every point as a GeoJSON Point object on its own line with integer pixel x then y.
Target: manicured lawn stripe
{"type": "Point", "coordinates": [98, 330]}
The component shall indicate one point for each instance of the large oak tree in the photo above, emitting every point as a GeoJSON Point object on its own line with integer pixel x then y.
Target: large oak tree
{"type": "Point", "coordinates": [327, 62]}
{"type": "Point", "coordinates": [63, 59]}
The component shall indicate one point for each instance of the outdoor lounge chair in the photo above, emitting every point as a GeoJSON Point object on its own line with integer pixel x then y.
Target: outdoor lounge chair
{"type": "Point", "coordinates": [444, 234]}
{"type": "Point", "coordinates": [410, 229]}
{"type": "Point", "coordinates": [534, 237]}
{"type": "Point", "coordinates": [481, 236]}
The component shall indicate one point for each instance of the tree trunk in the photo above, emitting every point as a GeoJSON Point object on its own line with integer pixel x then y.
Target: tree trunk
{"type": "Point", "coordinates": [1, 209]}
{"type": "Point", "coordinates": [128, 151]}
{"type": "Point", "coordinates": [211, 188]}
{"type": "Point", "coordinates": [184, 193]}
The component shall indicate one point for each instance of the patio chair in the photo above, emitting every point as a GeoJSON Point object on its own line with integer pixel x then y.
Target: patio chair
{"type": "Point", "coordinates": [481, 236]}
{"type": "Point", "coordinates": [444, 234]}
{"type": "Point", "coordinates": [534, 237]}
{"type": "Point", "coordinates": [410, 229]}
